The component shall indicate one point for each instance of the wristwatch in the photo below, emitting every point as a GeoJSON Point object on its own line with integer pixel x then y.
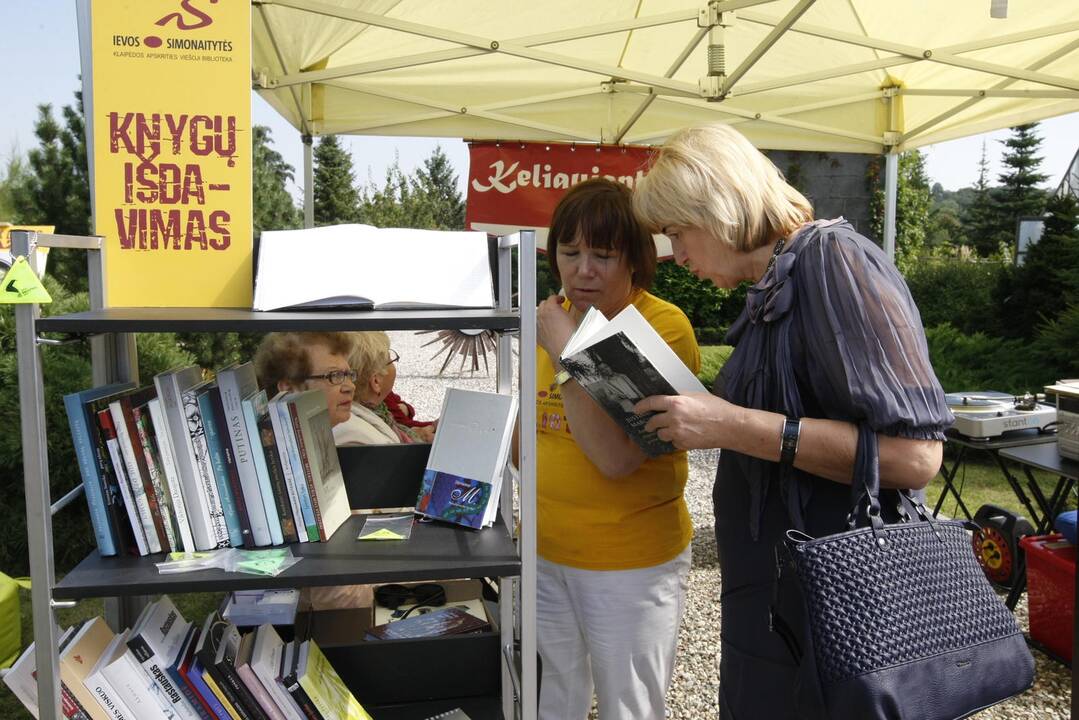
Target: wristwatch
{"type": "Point", "coordinates": [788, 444]}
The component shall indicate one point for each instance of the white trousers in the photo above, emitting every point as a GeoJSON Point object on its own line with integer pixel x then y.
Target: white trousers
{"type": "Point", "coordinates": [617, 629]}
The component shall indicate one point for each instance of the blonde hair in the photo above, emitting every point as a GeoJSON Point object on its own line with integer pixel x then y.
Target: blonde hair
{"type": "Point", "coordinates": [370, 354]}
{"type": "Point", "coordinates": [711, 177]}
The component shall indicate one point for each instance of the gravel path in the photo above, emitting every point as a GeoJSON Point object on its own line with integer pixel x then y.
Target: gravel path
{"type": "Point", "coordinates": [693, 693]}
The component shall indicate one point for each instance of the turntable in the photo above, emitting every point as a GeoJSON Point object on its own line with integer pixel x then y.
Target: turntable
{"type": "Point", "coordinates": [981, 415]}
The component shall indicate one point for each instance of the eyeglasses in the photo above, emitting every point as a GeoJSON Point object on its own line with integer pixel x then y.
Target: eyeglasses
{"type": "Point", "coordinates": [394, 357]}
{"type": "Point", "coordinates": [335, 377]}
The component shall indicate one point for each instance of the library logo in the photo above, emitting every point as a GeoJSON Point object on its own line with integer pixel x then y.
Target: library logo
{"type": "Point", "coordinates": [203, 20]}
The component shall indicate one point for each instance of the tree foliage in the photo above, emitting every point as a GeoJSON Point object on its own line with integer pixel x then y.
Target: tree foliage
{"type": "Point", "coordinates": [911, 208]}
{"type": "Point", "coordinates": [56, 187]}
{"type": "Point", "coordinates": [274, 208]}
{"type": "Point", "coordinates": [981, 218]}
{"type": "Point", "coordinates": [335, 194]}
{"type": "Point", "coordinates": [428, 200]}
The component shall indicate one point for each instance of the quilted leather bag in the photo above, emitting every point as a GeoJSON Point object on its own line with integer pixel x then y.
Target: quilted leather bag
{"type": "Point", "coordinates": [899, 620]}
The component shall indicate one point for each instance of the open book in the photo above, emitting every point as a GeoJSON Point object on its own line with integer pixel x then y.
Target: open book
{"type": "Point", "coordinates": [363, 267]}
{"type": "Point", "coordinates": [622, 361]}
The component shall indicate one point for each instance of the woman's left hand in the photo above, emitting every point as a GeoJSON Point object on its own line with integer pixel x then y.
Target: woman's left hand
{"type": "Point", "coordinates": [690, 422]}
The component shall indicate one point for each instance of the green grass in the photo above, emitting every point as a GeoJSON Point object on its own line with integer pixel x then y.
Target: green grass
{"type": "Point", "coordinates": [712, 359]}
{"type": "Point", "coordinates": [194, 607]}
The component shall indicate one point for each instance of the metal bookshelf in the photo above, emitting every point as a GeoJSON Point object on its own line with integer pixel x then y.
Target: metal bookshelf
{"type": "Point", "coordinates": [435, 552]}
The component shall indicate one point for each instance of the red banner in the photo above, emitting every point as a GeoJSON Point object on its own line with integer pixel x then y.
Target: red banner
{"type": "Point", "coordinates": [517, 185]}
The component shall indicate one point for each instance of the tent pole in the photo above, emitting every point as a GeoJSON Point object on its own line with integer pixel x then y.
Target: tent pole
{"type": "Point", "coordinates": [308, 184]}
{"type": "Point", "coordinates": [891, 186]}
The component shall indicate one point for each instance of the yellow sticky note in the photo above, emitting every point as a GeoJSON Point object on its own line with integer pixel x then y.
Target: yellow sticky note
{"type": "Point", "coordinates": [382, 534]}
{"type": "Point", "coordinates": [21, 286]}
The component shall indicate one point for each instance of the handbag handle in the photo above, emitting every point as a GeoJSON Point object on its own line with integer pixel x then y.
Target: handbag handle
{"type": "Point", "coordinates": [865, 490]}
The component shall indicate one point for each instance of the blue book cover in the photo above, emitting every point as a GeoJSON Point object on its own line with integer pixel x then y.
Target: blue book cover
{"type": "Point", "coordinates": [179, 680]}
{"type": "Point", "coordinates": [214, 442]}
{"type": "Point", "coordinates": [452, 498]}
{"type": "Point", "coordinates": [194, 675]}
{"type": "Point", "coordinates": [254, 409]}
{"type": "Point", "coordinates": [280, 406]}
{"type": "Point", "coordinates": [83, 438]}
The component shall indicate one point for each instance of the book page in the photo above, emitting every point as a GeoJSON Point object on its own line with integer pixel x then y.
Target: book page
{"type": "Point", "coordinates": [363, 266]}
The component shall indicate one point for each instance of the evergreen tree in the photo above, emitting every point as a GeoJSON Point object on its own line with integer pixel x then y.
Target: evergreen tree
{"type": "Point", "coordinates": [394, 204]}
{"type": "Point", "coordinates": [980, 228]}
{"type": "Point", "coordinates": [57, 189]}
{"type": "Point", "coordinates": [1019, 194]}
{"type": "Point", "coordinates": [436, 187]}
{"type": "Point", "coordinates": [274, 208]}
{"type": "Point", "coordinates": [13, 179]}
{"type": "Point", "coordinates": [911, 208]}
{"type": "Point", "coordinates": [1037, 291]}
{"type": "Point", "coordinates": [336, 198]}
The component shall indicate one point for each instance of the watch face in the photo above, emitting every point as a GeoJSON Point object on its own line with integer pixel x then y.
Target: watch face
{"type": "Point", "coordinates": [994, 554]}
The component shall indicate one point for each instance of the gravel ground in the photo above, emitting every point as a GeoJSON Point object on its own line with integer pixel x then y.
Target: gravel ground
{"type": "Point", "coordinates": [693, 692]}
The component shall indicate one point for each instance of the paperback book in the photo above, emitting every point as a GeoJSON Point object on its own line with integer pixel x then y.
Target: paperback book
{"type": "Point", "coordinates": [621, 361]}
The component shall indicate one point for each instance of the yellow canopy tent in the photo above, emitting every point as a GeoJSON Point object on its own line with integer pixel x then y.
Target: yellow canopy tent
{"type": "Point", "coordinates": [831, 75]}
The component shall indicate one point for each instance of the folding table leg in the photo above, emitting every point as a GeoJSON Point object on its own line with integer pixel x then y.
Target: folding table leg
{"type": "Point", "coordinates": [949, 486]}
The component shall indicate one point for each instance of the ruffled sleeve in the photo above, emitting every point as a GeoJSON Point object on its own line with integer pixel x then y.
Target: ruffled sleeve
{"type": "Point", "coordinates": [864, 347]}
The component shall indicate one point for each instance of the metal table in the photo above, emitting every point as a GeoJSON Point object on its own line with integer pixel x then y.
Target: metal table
{"type": "Point", "coordinates": [996, 447]}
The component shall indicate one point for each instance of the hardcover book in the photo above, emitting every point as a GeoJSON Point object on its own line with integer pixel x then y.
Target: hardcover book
{"type": "Point", "coordinates": [153, 645]}
{"type": "Point", "coordinates": [280, 432]}
{"type": "Point", "coordinates": [170, 388]}
{"type": "Point", "coordinates": [99, 685]}
{"type": "Point", "coordinates": [277, 474]}
{"type": "Point", "coordinates": [326, 484]}
{"type": "Point", "coordinates": [216, 443]}
{"type": "Point", "coordinates": [92, 465]}
{"type": "Point", "coordinates": [236, 491]}
{"type": "Point", "coordinates": [293, 272]}
{"type": "Point", "coordinates": [77, 660]}
{"type": "Point", "coordinates": [463, 479]}
{"type": "Point", "coordinates": [236, 383]}
{"type": "Point", "coordinates": [134, 520]}
{"type": "Point", "coordinates": [172, 473]}
{"type": "Point", "coordinates": [201, 463]}
{"type": "Point", "coordinates": [147, 441]}
{"type": "Point", "coordinates": [266, 661]}
{"type": "Point", "coordinates": [138, 475]}
{"type": "Point", "coordinates": [286, 430]}
{"type": "Point", "coordinates": [621, 361]}
{"type": "Point", "coordinates": [266, 703]}
{"type": "Point", "coordinates": [255, 409]}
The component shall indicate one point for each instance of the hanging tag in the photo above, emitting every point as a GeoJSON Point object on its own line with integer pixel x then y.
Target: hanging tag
{"type": "Point", "coordinates": [21, 286]}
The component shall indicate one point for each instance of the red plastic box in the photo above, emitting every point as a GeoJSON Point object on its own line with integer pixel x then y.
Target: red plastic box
{"type": "Point", "coordinates": [1051, 591]}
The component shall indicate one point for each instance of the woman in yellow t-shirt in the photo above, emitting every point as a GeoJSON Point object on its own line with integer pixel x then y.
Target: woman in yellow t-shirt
{"type": "Point", "coordinates": [613, 528]}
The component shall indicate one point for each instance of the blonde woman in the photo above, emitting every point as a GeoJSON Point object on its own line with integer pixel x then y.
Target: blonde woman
{"type": "Point", "coordinates": [371, 422]}
{"type": "Point", "coordinates": [829, 338]}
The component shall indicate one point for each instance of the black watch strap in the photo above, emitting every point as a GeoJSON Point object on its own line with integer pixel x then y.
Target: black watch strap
{"type": "Point", "coordinates": [788, 445]}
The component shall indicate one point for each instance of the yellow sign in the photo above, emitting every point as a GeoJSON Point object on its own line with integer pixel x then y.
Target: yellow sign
{"type": "Point", "coordinates": [172, 150]}
{"type": "Point", "coordinates": [21, 286]}
{"type": "Point", "coordinates": [5, 242]}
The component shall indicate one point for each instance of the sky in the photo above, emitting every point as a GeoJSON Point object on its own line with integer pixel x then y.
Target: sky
{"type": "Point", "coordinates": [40, 57]}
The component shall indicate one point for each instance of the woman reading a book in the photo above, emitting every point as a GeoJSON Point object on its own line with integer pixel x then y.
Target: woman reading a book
{"type": "Point", "coordinates": [293, 361]}
{"type": "Point", "coordinates": [371, 421]}
{"type": "Point", "coordinates": [613, 530]}
{"type": "Point", "coordinates": [829, 339]}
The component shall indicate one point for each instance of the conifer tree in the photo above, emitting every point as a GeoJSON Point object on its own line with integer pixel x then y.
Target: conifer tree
{"type": "Point", "coordinates": [1019, 195]}
{"type": "Point", "coordinates": [335, 194]}
{"type": "Point", "coordinates": [436, 187]}
{"type": "Point", "coordinates": [980, 220]}
{"type": "Point", "coordinates": [274, 208]}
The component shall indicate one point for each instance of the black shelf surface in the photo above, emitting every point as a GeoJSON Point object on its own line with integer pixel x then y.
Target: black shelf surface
{"type": "Point", "coordinates": [143, 319]}
{"type": "Point", "coordinates": [435, 551]}
{"type": "Point", "coordinates": [477, 708]}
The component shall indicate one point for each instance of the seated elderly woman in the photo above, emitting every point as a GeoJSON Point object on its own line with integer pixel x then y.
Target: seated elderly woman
{"type": "Point", "coordinates": [372, 422]}
{"type": "Point", "coordinates": [293, 361]}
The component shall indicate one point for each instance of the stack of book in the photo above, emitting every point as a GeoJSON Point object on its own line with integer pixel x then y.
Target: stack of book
{"type": "Point", "coordinates": [190, 464]}
{"type": "Point", "coordinates": [165, 667]}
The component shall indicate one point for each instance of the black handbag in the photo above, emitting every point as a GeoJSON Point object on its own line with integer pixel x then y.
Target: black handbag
{"type": "Point", "coordinates": [898, 620]}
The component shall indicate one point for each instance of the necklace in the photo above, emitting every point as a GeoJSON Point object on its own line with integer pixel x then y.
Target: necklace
{"type": "Point", "coordinates": [775, 253]}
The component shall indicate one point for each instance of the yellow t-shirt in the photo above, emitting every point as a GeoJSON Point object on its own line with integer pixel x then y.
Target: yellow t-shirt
{"type": "Point", "coordinates": [593, 522]}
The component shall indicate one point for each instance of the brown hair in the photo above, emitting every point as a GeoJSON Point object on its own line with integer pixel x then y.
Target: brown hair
{"type": "Point", "coordinates": [283, 356]}
{"type": "Point", "coordinates": [600, 212]}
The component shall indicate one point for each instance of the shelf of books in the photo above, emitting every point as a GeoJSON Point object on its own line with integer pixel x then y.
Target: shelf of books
{"type": "Point", "coordinates": [190, 476]}
{"type": "Point", "coordinates": [137, 319]}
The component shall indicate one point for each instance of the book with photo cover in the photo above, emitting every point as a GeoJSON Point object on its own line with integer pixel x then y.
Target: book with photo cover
{"type": "Point", "coordinates": [463, 479]}
{"type": "Point", "coordinates": [343, 266]}
{"type": "Point", "coordinates": [621, 361]}
{"type": "Point", "coordinates": [446, 621]}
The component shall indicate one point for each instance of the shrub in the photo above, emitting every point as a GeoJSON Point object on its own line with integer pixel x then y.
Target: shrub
{"type": "Point", "coordinates": [1055, 346]}
{"type": "Point", "coordinates": [978, 361]}
{"type": "Point", "coordinates": [956, 292]}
